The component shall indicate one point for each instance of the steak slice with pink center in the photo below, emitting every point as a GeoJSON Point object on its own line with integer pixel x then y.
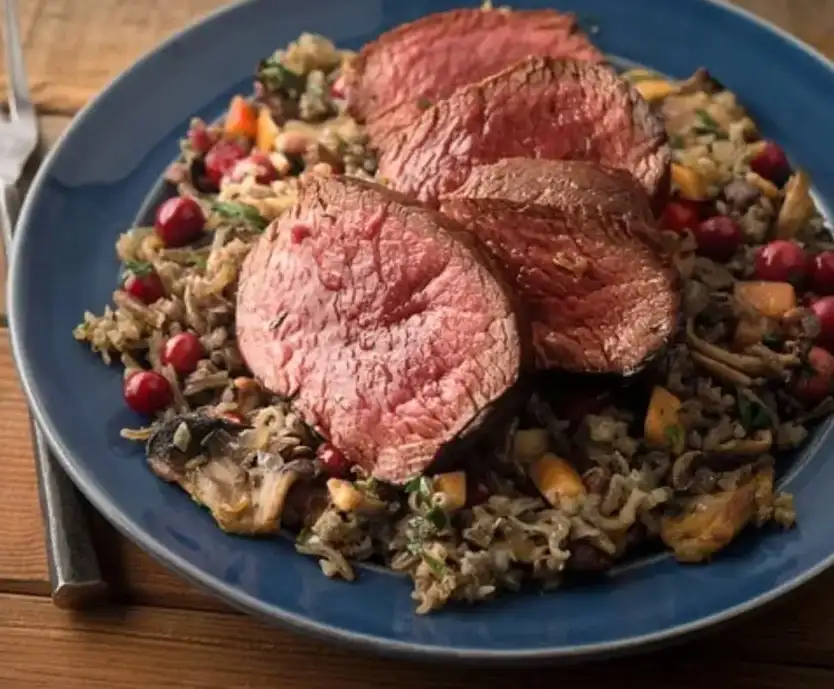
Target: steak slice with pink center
{"type": "Point", "coordinates": [579, 245]}
{"type": "Point", "coordinates": [394, 76]}
{"type": "Point", "coordinates": [381, 319]}
{"type": "Point", "coordinates": [539, 108]}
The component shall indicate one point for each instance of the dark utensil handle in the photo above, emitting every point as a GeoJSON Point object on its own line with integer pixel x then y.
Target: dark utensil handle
{"type": "Point", "coordinates": [74, 570]}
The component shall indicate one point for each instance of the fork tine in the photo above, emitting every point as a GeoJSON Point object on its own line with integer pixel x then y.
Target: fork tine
{"type": "Point", "coordinates": [20, 103]}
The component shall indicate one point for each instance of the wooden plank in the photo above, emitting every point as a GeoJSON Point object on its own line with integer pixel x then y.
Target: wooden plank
{"type": "Point", "coordinates": [22, 557]}
{"type": "Point", "coordinates": [151, 647]}
{"type": "Point", "coordinates": [137, 578]}
{"type": "Point", "coordinates": [810, 20]}
{"type": "Point", "coordinates": [74, 48]}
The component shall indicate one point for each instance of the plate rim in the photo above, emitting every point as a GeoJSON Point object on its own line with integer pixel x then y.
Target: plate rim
{"type": "Point", "coordinates": [237, 598]}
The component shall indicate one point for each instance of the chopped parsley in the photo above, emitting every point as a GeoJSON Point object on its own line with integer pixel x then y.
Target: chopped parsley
{"type": "Point", "coordinates": [416, 548]}
{"type": "Point", "coordinates": [708, 125]}
{"type": "Point", "coordinates": [436, 565]}
{"type": "Point", "coordinates": [420, 485]}
{"type": "Point", "coordinates": [753, 416]}
{"type": "Point", "coordinates": [198, 261]}
{"type": "Point", "coordinates": [241, 213]}
{"type": "Point", "coordinates": [675, 436]}
{"type": "Point", "coordinates": [278, 78]}
{"type": "Point", "coordinates": [773, 341]}
{"type": "Point", "coordinates": [437, 517]}
{"type": "Point", "coordinates": [423, 103]}
{"type": "Point", "coordinates": [138, 268]}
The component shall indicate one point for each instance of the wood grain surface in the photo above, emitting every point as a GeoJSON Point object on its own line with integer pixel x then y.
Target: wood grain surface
{"type": "Point", "coordinates": [162, 632]}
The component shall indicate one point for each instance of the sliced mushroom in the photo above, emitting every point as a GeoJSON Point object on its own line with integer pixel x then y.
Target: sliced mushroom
{"type": "Point", "coordinates": [760, 443]}
{"type": "Point", "coordinates": [778, 363]}
{"type": "Point", "coordinates": [746, 364]}
{"type": "Point", "coordinates": [721, 371]}
{"type": "Point", "coordinates": [682, 474]}
{"type": "Point", "coordinates": [201, 454]}
{"type": "Point", "coordinates": [165, 443]}
{"type": "Point", "coordinates": [797, 208]}
{"type": "Point", "coordinates": [708, 523]}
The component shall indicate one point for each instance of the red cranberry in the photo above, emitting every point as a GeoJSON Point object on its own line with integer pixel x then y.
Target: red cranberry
{"type": "Point", "coordinates": [143, 283]}
{"type": "Point", "coordinates": [332, 460]}
{"type": "Point", "coordinates": [147, 392]}
{"type": "Point", "coordinates": [183, 352]}
{"type": "Point", "coordinates": [718, 237]}
{"type": "Point", "coordinates": [179, 221]}
{"type": "Point", "coordinates": [782, 261]}
{"type": "Point", "coordinates": [816, 381]}
{"type": "Point", "coordinates": [823, 309]}
{"type": "Point", "coordinates": [199, 138]}
{"type": "Point", "coordinates": [258, 165]}
{"type": "Point", "coordinates": [771, 163]}
{"type": "Point", "coordinates": [822, 273]}
{"type": "Point", "coordinates": [680, 215]}
{"type": "Point", "coordinates": [222, 158]}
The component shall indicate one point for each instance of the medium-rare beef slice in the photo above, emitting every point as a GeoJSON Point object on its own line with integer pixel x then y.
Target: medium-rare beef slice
{"type": "Point", "coordinates": [393, 77]}
{"type": "Point", "coordinates": [585, 262]}
{"type": "Point", "coordinates": [381, 319]}
{"type": "Point", "coordinates": [565, 183]}
{"type": "Point", "coordinates": [538, 108]}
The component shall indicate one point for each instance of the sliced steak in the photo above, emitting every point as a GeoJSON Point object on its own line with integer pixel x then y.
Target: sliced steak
{"type": "Point", "coordinates": [395, 76]}
{"type": "Point", "coordinates": [382, 319]}
{"type": "Point", "coordinates": [538, 108]}
{"type": "Point", "coordinates": [580, 247]}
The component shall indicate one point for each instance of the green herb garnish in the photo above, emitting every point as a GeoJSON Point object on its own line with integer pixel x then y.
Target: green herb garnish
{"type": "Point", "coordinates": [752, 415]}
{"type": "Point", "coordinates": [241, 213]}
{"type": "Point", "coordinates": [436, 565]}
{"type": "Point", "coordinates": [419, 484]}
{"type": "Point", "coordinates": [423, 103]}
{"type": "Point", "coordinates": [707, 120]}
{"type": "Point", "coordinates": [437, 518]}
{"type": "Point", "coordinates": [675, 436]}
{"type": "Point", "coordinates": [138, 268]}
{"type": "Point", "coordinates": [277, 78]}
{"type": "Point", "coordinates": [198, 261]}
{"type": "Point", "coordinates": [708, 125]}
{"type": "Point", "coordinates": [773, 341]}
{"type": "Point", "coordinates": [676, 141]}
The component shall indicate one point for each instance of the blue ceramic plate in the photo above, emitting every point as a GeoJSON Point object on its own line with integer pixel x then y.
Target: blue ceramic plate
{"type": "Point", "coordinates": [92, 187]}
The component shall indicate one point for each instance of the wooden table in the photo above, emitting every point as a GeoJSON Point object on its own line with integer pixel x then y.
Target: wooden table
{"type": "Point", "coordinates": [162, 632]}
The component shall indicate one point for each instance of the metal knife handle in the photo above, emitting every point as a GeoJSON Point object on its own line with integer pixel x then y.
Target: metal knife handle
{"type": "Point", "coordinates": [74, 570]}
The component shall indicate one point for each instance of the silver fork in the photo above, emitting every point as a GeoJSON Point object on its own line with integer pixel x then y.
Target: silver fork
{"type": "Point", "coordinates": [73, 566]}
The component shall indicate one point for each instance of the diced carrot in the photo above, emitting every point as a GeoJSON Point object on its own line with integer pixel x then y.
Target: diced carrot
{"type": "Point", "coordinates": [242, 119]}
{"type": "Point", "coordinates": [662, 427]}
{"type": "Point", "coordinates": [267, 132]}
{"type": "Point", "coordinates": [770, 299]}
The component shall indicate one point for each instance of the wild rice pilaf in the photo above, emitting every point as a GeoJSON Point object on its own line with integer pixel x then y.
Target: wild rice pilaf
{"type": "Point", "coordinates": [687, 460]}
